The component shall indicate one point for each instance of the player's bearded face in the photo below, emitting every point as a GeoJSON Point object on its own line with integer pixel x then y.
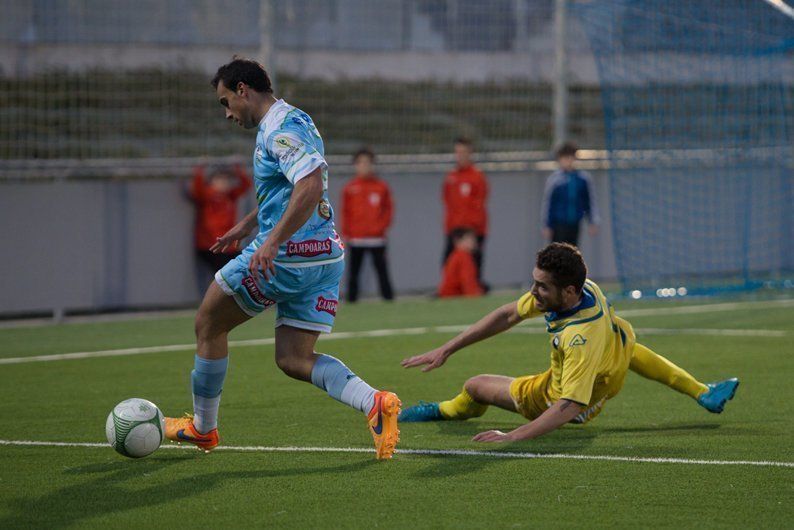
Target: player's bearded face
{"type": "Point", "coordinates": [548, 297]}
{"type": "Point", "coordinates": [236, 105]}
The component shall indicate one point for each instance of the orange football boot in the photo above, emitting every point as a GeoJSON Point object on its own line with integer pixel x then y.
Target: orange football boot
{"type": "Point", "coordinates": [182, 430]}
{"type": "Point", "coordinates": [382, 420]}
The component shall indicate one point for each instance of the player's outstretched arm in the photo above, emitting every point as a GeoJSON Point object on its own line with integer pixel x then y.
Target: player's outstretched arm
{"type": "Point", "coordinates": [560, 413]}
{"type": "Point", "coordinates": [306, 195]}
{"type": "Point", "coordinates": [497, 321]}
{"type": "Point", "coordinates": [237, 233]}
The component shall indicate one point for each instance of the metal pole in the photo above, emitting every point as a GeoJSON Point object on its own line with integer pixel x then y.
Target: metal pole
{"type": "Point", "coordinates": [560, 74]}
{"type": "Point", "coordinates": [267, 41]}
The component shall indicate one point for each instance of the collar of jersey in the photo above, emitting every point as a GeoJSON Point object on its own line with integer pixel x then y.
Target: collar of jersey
{"type": "Point", "coordinates": [262, 122]}
{"type": "Point", "coordinates": [588, 309]}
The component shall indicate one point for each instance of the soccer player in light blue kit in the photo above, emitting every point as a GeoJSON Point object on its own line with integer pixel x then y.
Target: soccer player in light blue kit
{"type": "Point", "coordinates": [295, 263]}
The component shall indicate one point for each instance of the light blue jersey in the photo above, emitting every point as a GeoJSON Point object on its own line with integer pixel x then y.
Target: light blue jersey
{"type": "Point", "coordinates": [309, 265]}
{"type": "Point", "coordinates": [288, 148]}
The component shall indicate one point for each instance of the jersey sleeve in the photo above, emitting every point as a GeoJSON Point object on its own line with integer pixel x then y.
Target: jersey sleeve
{"type": "Point", "coordinates": [581, 354]}
{"type": "Point", "coordinates": [295, 155]}
{"type": "Point", "coordinates": [526, 306]}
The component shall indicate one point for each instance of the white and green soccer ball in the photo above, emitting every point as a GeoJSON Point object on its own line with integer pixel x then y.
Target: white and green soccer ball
{"type": "Point", "coordinates": [135, 428]}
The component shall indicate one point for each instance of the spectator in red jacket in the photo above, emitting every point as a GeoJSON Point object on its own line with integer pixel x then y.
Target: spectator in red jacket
{"type": "Point", "coordinates": [459, 276]}
{"type": "Point", "coordinates": [216, 212]}
{"type": "Point", "coordinates": [366, 216]}
{"type": "Point", "coordinates": [465, 195]}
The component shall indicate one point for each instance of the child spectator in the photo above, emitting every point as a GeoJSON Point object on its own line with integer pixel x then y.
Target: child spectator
{"type": "Point", "coordinates": [567, 198]}
{"type": "Point", "coordinates": [366, 216]}
{"type": "Point", "coordinates": [216, 213]}
{"type": "Point", "coordinates": [459, 276]}
{"type": "Point", "coordinates": [465, 195]}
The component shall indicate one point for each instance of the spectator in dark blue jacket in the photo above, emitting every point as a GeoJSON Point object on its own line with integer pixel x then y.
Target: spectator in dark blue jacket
{"type": "Point", "coordinates": [568, 197]}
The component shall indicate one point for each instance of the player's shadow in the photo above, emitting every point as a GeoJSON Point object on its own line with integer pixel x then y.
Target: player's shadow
{"type": "Point", "coordinates": [112, 487]}
{"type": "Point", "coordinates": [693, 429]}
{"type": "Point", "coordinates": [568, 440]}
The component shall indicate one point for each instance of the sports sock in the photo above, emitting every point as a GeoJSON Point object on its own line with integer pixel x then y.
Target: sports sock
{"type": "Point", "coordinates": [207, 380]}
{"type": "Point", "coordinates": [331, 375]}
{"type": "Point", "coordinates": [653, 366]}
{"type": "Point", "coordinates": [461, 407]}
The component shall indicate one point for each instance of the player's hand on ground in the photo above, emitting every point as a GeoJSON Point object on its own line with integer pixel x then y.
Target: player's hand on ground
{"type": "Point", "coordinates": [492, 436]}
{"type": "Point", "coordinates": [433, 359]}
{"type": "Point", "coordinates": [228, 241]}
{"type": "Point", "coordinates": [264, 260]}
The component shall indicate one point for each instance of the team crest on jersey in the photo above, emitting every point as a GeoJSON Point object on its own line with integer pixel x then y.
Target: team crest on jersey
{"type": "Point", "coordinates": [309, 248]}
{"type": "Point", "coordinates": [326, 305]}
{"type": "Point", "coordinates": [578, 340]}
{"type": "Point", "coordinates": [324, 209]}
{"type": "Point", "coordinates": [256, 294]}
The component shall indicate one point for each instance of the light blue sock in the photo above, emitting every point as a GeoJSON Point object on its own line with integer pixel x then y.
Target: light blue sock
{"type": "Point", "coordinates": [207, 379]}
{"type": "Point", "coordinates": [330, 374]}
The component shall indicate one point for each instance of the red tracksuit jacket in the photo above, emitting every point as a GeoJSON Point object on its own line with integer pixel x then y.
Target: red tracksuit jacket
{"type": "Point", "coordinates": [367, 210]}
{"type": "Point", "coordinates": [465, 195]}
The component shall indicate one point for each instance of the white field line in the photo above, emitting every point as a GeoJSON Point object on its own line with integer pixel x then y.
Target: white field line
{"type": "Point", "coordinates": [534, 330]}
{"type": "Point", "coordinates": [431, 452]}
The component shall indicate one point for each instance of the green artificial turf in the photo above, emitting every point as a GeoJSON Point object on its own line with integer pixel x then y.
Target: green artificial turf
{"type": "Point", "coordinates": [68, 400]}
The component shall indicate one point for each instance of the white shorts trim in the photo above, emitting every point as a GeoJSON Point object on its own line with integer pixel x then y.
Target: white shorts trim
{"type": "Point", "coordinates": [305, 264]}
{"type": "Point", "coordinates": [311, 326]}
{"type": "Point", "coordinates": [226, 288]}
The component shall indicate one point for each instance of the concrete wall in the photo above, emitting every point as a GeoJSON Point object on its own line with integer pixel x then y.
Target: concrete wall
{"type": "Point", "coordinates": [90, 244]}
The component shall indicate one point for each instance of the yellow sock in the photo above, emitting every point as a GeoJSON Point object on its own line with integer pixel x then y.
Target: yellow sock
{"type": "Point", "coordinates": [653, 366]}
{"type": "Point", "coordinates": [461, 407]}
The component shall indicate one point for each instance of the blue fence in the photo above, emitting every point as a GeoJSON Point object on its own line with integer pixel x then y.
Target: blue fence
{"type": "Point", "coordinates": [701, 139]}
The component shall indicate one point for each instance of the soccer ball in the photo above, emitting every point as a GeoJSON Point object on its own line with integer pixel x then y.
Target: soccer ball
{"type": "Point", "coordinates": [135, 428]}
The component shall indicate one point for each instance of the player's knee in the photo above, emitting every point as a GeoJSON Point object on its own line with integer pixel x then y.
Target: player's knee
{"type": "Point", "coordinates": [474, 387]}
{"type": "Point", "coordinates": [206, 327]}
{"type": "Point", "coordinates": [294, 366]}
{"type": "Point", "coordinates": [201, 324]}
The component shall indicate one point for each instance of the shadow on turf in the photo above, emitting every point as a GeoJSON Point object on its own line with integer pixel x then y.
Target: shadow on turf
{"type": "Point", "coordinates": [696, 428]}
{"type": "Point", "coordinates": [570, 440]}
{"type": "Point", "coordinates": [114, 487]}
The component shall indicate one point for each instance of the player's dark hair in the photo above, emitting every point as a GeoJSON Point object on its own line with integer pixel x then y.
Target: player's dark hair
{"type": "Point", "coordinates": [364, 151]}
{"type": "Point", "coordinates": [565, 264]}
{"type": "Point", "coordinates": [566, 149]}
{"type": "Point", "coordinates": [459, 233]}
{"type": "Point", "coordinates": [242, 70]}
{"type": "Point", "coordinates": [465, 140]}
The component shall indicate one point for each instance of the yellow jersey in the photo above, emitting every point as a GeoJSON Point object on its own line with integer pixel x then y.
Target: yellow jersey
{"type": "Point", "coordinates": [590, 347]}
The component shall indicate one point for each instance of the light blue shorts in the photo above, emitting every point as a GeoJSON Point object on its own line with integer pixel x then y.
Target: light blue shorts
{"type": "Point", "coordinates": [305, 297]}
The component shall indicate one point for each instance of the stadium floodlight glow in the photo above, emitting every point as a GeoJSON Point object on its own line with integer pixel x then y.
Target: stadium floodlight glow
{"type": "Point", "coordinates": [682, 291]}
{"type": "Point", "coordinates": [636, 294]}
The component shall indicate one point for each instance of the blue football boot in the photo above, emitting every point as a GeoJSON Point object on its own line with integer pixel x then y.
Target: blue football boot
{"type": "Point", "coordinates": [422, 412]}
{"type": "Point", "coordinates": [718, 394]}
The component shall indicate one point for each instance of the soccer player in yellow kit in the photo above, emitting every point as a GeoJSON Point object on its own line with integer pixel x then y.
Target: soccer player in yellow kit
{"type": "Point", "coordinates": [592, 349]}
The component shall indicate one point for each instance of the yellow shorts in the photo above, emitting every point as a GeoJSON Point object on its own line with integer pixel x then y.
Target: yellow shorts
{"type": "Point", "coordinates": [531, 397]}
{"type": "Point", "coordinates": [530, 394]}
